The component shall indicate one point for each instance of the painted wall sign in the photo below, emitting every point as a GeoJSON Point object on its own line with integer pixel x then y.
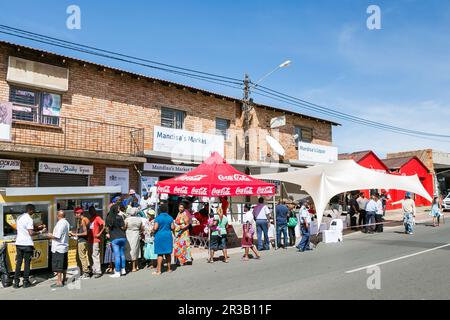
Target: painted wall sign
{"type": "Point", "coordinates": [159, 167]}
{"type": "Point", "coordinates": [63, 168]}
{"type": "Point", "coordinates": [6, 164]}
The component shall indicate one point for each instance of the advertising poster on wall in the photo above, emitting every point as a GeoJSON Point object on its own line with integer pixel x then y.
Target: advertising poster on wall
{"type": "Point", "coordinates": [51, 104]}
{"type": "Point", "coordinates": [5, 121]}
{"type": "Point", "coordinates": [147, 182]}
{"type": "Point", "coordinates": [118, 177]}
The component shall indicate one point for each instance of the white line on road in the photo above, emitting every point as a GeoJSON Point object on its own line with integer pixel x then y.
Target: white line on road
{"type": "Point", "coordinates": [400, 258]}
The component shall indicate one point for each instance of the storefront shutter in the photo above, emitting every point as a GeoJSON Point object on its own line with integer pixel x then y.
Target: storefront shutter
{"type": "Point", "coordinates": [3, 178]}
{"type": "Point", "coordinates": [62, 180]}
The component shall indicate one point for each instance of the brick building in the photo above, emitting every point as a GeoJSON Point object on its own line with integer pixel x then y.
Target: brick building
{"type": "Point", "coordinates": [109, 118]}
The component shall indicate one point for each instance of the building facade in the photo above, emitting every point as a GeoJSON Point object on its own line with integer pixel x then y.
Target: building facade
{"type": "Point", "coordinates": [77, 123]}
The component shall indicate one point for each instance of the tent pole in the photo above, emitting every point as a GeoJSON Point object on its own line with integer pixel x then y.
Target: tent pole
{"type": "Point", "coordinates": [209, 229]}
{"type": "Point", "coordinates": [275, 221]}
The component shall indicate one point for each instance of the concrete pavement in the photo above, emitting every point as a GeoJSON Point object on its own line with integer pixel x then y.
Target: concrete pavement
{"type": "Point", "coordinates": [407, 271]}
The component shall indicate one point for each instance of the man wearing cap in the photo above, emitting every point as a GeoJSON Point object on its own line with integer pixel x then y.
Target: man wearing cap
{"type": "Point", "coordinates": [133, 194]}
{"type": "Point", "coordinates": [409, 212]}
{"type": "Point", "coordinates": [145, 202]}
{"type": "Point", "coordinates": [82, 242]}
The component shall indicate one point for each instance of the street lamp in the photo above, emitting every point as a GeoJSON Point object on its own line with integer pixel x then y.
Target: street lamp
{"type": "Point", "coordinates": [283, 65]}
{"type": "Point", "coordinates": [246, 105]}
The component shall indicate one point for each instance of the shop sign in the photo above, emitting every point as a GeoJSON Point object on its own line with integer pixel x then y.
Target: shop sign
{"type": "Point", "coordinates": [63, 168]}
{"type": "Point", "coordinates": [72, 254]}
{"type": "Point", "coordinates": [5, 121]}
{"type": "Point", "coordinates": [39, 260]}
{"type": "Point", "coordinates": [6, 164]}
{"type": "Point", "coordinates": [118, 177]}
{"type": "Point", "coordinates": [186, 143]}
{"type": "Point", "coordinates": [170, 168]}
{"type": "Point", "coordinates": [317, 153]}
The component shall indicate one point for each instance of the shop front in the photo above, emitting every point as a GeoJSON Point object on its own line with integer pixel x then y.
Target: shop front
{"type": "Point", "coordinates": [47, 201]}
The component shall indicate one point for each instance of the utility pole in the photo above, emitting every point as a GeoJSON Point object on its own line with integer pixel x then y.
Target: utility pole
{"type": "Point", "coordinates": [246, 108]}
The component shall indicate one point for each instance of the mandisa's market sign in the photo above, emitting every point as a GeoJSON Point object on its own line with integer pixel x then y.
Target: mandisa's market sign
{"type": "Point", "coordinates": [63, 168]}
{"type": "Point", "coordinates": [186, 143]}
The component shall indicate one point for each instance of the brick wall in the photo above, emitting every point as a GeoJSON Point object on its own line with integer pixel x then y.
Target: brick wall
{"type": "Point", "coordinates": [26, 176]}
{"type": "Point", "coordinates": [107, 96]}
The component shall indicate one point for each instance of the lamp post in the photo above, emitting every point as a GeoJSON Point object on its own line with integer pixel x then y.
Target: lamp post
{"type": "Point", "coordinates": [247, 104]}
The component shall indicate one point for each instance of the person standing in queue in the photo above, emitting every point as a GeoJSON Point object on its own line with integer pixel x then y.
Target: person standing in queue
{"type": "Point", "coordinates": [305, 222]}
{"type": "Point", "coordinates": [82, 242]}
{"type": "Point", "coordinates": [163, 228]}
{"type": "Point", "coordinates": [60, 249]}
{"type": "Point", "coordinates": [353, 211]}
{"type": "Point", "coordinates": [379, 214]}
{"type": "Point", "coordinates": [371, 210]}
{"type": "Point", "coordinates": [96, 228]}
{"type": "Point", "coordinates": [282, 220]}
{"type": "Point", "coordinates": [116, 233]}
{"type": "Point", "coordinates": [24, 246]}
{"type": "Point", "coordinates": [362, 203]}
{"type": "Point", "coordinates": [219, 236]}
{"type": "Point", "coordinates": [262, 213]}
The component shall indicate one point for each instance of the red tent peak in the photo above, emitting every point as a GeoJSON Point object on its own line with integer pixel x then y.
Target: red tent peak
{"type": "Point", "coordinates": [215, 158]}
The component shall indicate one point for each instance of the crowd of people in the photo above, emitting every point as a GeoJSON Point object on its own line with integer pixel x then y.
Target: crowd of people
{"type": "Point", "coordinates": [133, 236]}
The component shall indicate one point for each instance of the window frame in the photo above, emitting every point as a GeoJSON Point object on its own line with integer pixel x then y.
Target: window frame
{"type": "Point", "coordinates": [226, 134]}
{"type": "Point", "coordinates": [177, 124]}
{"type": "Point", "coordinates": [36, 109]}
{"type": "Point", "coordinates": [300, 138]}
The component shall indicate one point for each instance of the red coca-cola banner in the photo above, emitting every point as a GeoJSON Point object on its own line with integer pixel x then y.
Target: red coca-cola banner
{"type": "Point", "coordinates": [215, 178]}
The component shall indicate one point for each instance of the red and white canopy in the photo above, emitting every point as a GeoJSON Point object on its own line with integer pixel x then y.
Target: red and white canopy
{"type": "Point", "coordinates": [215, 178]}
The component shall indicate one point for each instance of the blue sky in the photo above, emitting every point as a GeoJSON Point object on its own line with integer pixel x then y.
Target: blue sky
{"type": "Point", "coordinates": [398, 75]}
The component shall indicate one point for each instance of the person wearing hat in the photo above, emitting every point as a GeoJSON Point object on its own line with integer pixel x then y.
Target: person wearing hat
{"type": "Point", "coordinates": [82, 242]}
{"type": "Point", "coordinates": [149, 240]}
{"type": "Point", "coordinates": [409, 212]}
{"type": "Point", "coordinates": [132, 194]}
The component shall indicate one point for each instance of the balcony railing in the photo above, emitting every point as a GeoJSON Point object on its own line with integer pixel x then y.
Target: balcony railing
{"type": "Point", "coordinates": [82, 135]}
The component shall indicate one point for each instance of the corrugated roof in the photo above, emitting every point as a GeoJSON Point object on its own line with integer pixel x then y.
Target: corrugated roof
{"type": "Point", "coordinates": [356, 156]}
{"type": "Point", "coordinates": [217, 95]}
{"type": "Point", "coordinates": [397, 163]}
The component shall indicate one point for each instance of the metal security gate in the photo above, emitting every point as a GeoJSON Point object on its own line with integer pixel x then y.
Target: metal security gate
{"type": "Point", "coordinates": [62, 180]}
{"type": "Point", "coordinates": [4, 178]}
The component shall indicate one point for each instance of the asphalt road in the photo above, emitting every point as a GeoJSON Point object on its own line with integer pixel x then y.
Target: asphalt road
{"type": "Point", "coordinates": [408, 271]}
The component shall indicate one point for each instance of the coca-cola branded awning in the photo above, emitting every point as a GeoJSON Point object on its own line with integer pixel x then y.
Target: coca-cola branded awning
{"type": "Point", "coordinates": [215, 178]}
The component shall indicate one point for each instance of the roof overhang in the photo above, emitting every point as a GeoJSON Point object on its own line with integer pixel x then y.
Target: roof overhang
{"type": "Point", "coordinates": [58, 191]}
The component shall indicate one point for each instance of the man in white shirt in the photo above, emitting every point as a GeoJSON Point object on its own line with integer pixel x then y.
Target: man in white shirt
{"type": "Point", "coordinates": [261, 214]}
{"type": "Point", "coordinates": [24, 245]}
{"type": "Point", "coordinates": [362, 203]}
{"type": "Point", "coordinates": [60, 249]}
{"type": "Point", "coordinates": [371, 210]}
{"type": "Point", "coordinates": [379, 214]}
{"type": "Point", "coordinates": [145, 202]}
{"type": "Point", "coordinates": [305, 222]}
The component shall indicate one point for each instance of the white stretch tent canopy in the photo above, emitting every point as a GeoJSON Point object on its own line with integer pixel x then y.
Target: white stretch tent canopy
{"type": "Point", "coordinates": [323, 182]}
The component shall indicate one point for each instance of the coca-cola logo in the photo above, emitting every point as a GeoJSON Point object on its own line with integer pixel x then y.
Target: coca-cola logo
{"type": "Point", "coordinates": [264, 190]}
{"type": "Point", "coordinates": [199, 191]}
{"type": "Point", "coordinates": [180, 190]}
{"type": "Point", "coordinates": [165, 189]}
{"type": "Point", "coordinates": [221, 191]}
{"type": "Point", "coordinates": [246, 190]}
{"type": "Point", "coordinates": [234, 177]}
{"type": "Point", "coordinates": [191, 178]}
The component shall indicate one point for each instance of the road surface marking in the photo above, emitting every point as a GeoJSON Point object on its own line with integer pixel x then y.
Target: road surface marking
{"type": "Point", "coordinates": [400, 258]}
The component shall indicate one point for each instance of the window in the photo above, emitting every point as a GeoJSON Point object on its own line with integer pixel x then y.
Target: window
{"type": "Point", "coordinates": [69, 205]}
{"type": "Point", "coordinates": [11, 211]}
{"type": "Point", "coordinates": [35, 106]}
{"type": "Point", "coordinates": [222, 126]}
{"type": "Point", "coordinates": [303, 135]}
{"type": "Point", "coordinates": [171, 118]}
